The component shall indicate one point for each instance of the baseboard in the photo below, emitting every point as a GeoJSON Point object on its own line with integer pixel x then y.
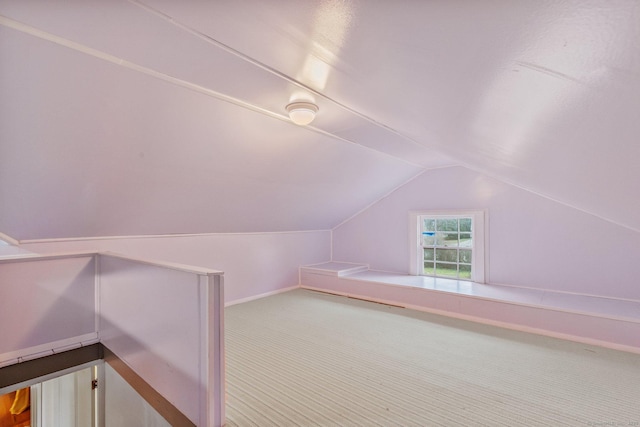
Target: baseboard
{"type": "Point", "coordinates": [264, 295]}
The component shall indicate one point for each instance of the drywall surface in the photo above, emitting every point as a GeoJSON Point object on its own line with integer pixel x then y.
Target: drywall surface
{"type": "Point", "coordinates": [253, 264]}
{"type": "Point", "coordinates": [125, 407]}
{"type": "Point", "coordinates": [46, 304]}
{"type": "Point", "coordinates": [152, 318]}
{"type": "Point", "coordinates": [533, 241]}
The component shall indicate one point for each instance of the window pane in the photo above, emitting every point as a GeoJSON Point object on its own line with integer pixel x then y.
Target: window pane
{"type": "Point", "coordinates": [465, 272]}
{"type": "Point", "coordinates": [447, 270]}
{"type": "Point", "coordinates": [429, 269]}
{"type": "Point", "coordinates": [428, 254]}
{"type": "Point", "coordinates": [447, 244]}
{"type": "Point", "coordinates": [465, 240]}
{"type": "Point", "coordinates": [447, 225]}
{"type": "Point", "coordinates": [428, 224]}
{"type": "Point", "coordinates": [465, 256]}
{"type": "Point", "coordinates": [447, 239]}
{"type": "Point", "coordinates": [448, 255]}
{"type": "Point", "coordinates": [428, 238]}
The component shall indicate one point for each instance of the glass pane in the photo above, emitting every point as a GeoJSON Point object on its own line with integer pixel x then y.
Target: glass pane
{"type": "Point", "coordinates": [448, 255]}
{"type": "Point", "coordinates": [465, 240]}
{"type": "Point", "coordinates": [465, 272]}
{"type": "Point", "coordinates": [447, 239]}
{"type": "Point", "coordinates": [447, 270]}
{"type": "Point", "coordinates": [465, 224]}
{"type": "Point", "coordinates": [447, 225]}
{"type": "Point", "coordinates": [465, 256]}
{"type": "Point", "coordinates": [428, 224]}
{"type": "Point", "coordinates": [428, 238]}
{"type": "Point", "coordinates": [428, 254]}
{"type": "Point", "coordinates": [429, 269]}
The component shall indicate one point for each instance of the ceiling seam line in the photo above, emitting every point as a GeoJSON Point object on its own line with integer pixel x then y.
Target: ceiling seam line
{"type": "Point", "coordinates": [545, 196]}
{"type": "Point", "coordinates": [326, 133]}
{"type": "Point", "coordinates": [375, 122]}
{"type": "Point", "coordinates": [61, 41]}
{"type": "Point", "coordinates": [24, 28]}
{"type": "Point", "coordinates": [78, 47]}
{"type": "Point", "coordinates": [505, 181]}
{"type": "Point", "coordinates": [273, 71]}
{"type": "Point", "coordinates": [390, 193]}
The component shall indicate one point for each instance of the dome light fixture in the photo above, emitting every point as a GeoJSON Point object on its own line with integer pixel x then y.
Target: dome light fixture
{"type": "Point", "coordinates": [301, 112]}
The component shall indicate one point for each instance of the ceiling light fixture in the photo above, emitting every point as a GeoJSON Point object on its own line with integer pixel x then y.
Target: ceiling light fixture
{"type": "Point", "coordinates": [302, 113]}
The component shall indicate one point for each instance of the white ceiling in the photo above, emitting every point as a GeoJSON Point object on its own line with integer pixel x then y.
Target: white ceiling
{"type": "Point", "coordinates": [161, 116]}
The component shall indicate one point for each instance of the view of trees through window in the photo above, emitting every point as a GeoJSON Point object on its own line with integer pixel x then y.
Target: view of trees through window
{"type": "Point", "coordinates": [447, 244]}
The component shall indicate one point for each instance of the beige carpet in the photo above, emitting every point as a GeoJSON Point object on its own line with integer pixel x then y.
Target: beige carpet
{"type": "Point", "coordinates": [309, 359]}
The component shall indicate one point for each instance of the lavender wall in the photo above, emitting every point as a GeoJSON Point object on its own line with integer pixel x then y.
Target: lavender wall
{"type": "Point", "coordinates": [123, 405]}
{"type": "Point", "coordinates": [152, 318]}
{"type": "Point", "coordinates": [61, 305]}
{"type": "Point", "coordinates": [253, 264]}
{"type": "Point", "coordinates": [534, 242]}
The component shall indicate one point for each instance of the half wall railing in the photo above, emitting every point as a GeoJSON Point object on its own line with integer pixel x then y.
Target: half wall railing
{"type": "Point", "coordinates": [164, 320]}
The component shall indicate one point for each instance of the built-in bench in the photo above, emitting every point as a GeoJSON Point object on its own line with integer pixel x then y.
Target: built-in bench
{"type": "Point", "coordinates": [608, 322]}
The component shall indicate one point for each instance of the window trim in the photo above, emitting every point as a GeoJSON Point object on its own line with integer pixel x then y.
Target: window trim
{"type": "Point", "coordinates": [479, 263]}
{"type": "Point", "coordinates": [8, 241]}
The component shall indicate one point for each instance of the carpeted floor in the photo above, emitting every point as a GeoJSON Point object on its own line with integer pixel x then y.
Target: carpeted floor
{"type": "Point", "coordinates": [309, 359]}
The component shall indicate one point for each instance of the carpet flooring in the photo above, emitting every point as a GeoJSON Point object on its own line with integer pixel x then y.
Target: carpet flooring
{"type": "Point", "coordinates": [304, 358]}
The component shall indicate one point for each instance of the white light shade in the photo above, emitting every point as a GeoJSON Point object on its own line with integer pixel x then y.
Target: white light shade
{"type": "Point", "coordinates": [302, 113]}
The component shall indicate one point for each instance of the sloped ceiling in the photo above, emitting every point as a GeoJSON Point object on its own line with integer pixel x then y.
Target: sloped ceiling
{"type": "Point", "coordinates": [159, 117]}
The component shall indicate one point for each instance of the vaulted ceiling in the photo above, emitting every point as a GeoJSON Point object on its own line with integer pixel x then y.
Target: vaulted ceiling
{"type": "Point", "coordinates": [161, 116]}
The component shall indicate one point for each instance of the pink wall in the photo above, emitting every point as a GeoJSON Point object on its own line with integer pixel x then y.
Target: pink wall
{"type": "Point", "coordinates": [161, 322]}
{"type": "Point", "coordinates": [61, 305]}
{"type": "Point", "coordinates": [534, 242]}
{"type": "Point", "coordinates": [253, 264]}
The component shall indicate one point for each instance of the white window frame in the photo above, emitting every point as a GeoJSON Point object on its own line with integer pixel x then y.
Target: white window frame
{"type": "Point", "coordinates": [479, 260]}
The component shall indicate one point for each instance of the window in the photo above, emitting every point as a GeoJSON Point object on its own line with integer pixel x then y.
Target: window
{"type": "Point", "coordinates": [448, 244]}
